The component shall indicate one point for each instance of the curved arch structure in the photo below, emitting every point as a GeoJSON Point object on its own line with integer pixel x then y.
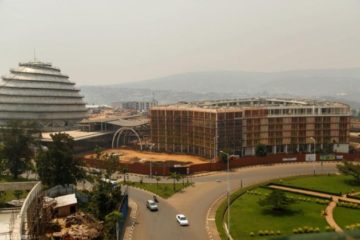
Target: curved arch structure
{"type": "Point", "coordinates": [118, 134]}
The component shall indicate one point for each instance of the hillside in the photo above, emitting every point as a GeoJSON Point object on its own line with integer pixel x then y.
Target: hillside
{"type": "Point", "coordinates": [330, 83]}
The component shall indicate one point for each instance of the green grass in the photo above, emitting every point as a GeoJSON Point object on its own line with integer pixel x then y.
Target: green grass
{"type": "Point", "coordinates": [9, 195]}
{"type": "Point", "coordinates": [328, 183]}
{"type": "Point", "coordinates": [346, 216]}
{"type": "Point", "coordinates": [164, 190]}
{"type": "Point", "coordinates": [248, 216]}
{"type": "Point", "coordinates": [8, 178]}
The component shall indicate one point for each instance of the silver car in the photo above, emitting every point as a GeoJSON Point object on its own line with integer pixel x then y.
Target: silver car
{"type": "Point", "coordinates": [152, 205]}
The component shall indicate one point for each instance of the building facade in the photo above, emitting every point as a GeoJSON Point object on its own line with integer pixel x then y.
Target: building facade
{"type": "Point", "coordinates": [38, 92]}
{"type": "Point", "coordinates": [140, 106]}
{"type": "Point", "coordinates": [238, 126]}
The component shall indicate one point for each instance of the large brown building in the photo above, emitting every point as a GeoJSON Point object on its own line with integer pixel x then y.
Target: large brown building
{"type": "Point", "coordinates": [239, 125]}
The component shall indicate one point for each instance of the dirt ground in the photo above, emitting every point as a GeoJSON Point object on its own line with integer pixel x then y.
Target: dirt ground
{"type": "Point", "coordinates": [127, 155]}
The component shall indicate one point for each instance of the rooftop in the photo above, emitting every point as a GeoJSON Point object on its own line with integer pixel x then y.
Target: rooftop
{"type": "Point", "coordinates": [252, 103]}
{"type": "Point", "coordinates": [65, 200]}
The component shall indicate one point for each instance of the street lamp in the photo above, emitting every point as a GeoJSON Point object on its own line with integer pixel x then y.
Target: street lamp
{"type": "Point", "coordinates": [228, 190]}
{"type": "Point", "coordinates": [314, 140]}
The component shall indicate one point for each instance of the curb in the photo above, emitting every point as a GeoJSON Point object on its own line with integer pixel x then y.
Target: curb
{"type": "Point", "coordinates": [211, 228]}
{"type": "Point", "coordinates": [131, 220]}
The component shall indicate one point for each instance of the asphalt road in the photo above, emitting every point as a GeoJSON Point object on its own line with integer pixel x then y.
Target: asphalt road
{"type": "Point", "coordinates": [195, 201]}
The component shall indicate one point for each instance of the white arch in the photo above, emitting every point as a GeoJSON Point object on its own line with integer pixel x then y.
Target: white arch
{"type": "Point", "coordinates": [118, 133]}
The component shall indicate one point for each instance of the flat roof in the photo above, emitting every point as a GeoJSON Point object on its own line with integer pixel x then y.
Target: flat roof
{"type": "Point", "coordinates": [250, 103]}
{"type": "Point", "coordinates": [76, 134]}
{"type": "Point", "coordinates": [65, 200]}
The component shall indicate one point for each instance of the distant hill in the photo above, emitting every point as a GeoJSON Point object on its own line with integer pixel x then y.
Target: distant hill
{"type": "Point", "coordinates": [331, 83]}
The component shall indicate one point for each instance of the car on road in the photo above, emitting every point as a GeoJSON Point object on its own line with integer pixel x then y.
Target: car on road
{"type": "Point", "coordinates": [152, 205]}
{"type": "Point", "coordinates": [182, 220]}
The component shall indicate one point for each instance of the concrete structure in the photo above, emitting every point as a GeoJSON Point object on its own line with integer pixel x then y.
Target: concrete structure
{"type": "Point", "coordinates": [140, 106]}
{"type": "Point", "coordinates": [37, 91]}
{"type": "Point", "coordinates": [239, 125]}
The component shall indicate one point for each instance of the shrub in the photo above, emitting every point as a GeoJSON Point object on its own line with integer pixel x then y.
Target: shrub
{"type": "Point", "coordinates": [252, 234]}
{"type": "Point", "coordinates": [278, 232]}
{"type": "Point", "coordinates": [271, 233]}
{"type": "Point", "coordinates": [260, 233]}
{"type": "Point", "coordinates": [295, 231]}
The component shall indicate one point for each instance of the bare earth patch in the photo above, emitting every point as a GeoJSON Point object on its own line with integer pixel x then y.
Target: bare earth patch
{"type": "Point", "coordinates": [132, 156]}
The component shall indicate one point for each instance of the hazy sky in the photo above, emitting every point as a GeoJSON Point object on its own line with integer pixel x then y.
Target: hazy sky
{"type": "Point", "coordinates": [103, 42]}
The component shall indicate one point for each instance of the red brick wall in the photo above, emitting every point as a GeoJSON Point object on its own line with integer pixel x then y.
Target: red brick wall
{"type": "Point", "coordinates": [163, 170]}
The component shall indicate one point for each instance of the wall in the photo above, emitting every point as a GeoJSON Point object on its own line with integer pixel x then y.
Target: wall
{"type": "Point", "coordinates": [164, 169]}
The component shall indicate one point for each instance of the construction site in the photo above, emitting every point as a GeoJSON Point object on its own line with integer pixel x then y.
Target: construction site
{"type": "Point", "coordinates": [237, 126]}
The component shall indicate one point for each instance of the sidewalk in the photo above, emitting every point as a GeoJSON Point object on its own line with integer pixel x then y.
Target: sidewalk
{"type": "Point", "coordinates": [210, 219]}
{"type": "Point", "coordinates": [131, 220]}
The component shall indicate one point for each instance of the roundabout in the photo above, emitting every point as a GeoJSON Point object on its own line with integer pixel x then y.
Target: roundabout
{"type": "Point", "coordinates": [319, 203]}
{"type": "Point", "coordinates": [195, 201]}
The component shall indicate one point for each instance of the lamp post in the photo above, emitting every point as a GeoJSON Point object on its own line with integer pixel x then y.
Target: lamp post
{"type": "Point", "coordinates": [228, 190]}
{"type": "Point", "coordinates": [314, 140]}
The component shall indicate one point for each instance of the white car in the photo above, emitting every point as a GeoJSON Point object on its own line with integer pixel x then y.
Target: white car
{"type": "Point", "coordinates": [151, 205]}
{"type": "Point", "coordinates": [182, 220]}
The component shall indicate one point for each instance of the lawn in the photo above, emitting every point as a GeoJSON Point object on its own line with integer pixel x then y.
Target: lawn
{"type": "Point", "coordinates": [9, 195]}
{"type": "Point", "coordinates": [346, 216]}
{"type": "Point", "coordinates": [164, 190]}
{"type": "Point", "coordinates": [328, 183]}
{"type": "Point", "coordinates": [8, 178]}
{"type": "Point", "coordinates": [248, 216]}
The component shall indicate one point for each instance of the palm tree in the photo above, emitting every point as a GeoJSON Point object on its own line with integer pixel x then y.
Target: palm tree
{"type": "Point", "coordinates": [175, 177]}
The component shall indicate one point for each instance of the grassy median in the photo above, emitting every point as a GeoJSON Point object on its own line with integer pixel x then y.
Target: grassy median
{"type": "Point", "coordinates": [335, 184]}
{"type": "Point", "coordinates": [164, 190]}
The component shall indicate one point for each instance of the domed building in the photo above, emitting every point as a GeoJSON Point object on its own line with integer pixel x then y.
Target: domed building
{"type": "Point", "coordinates": [39, 92]}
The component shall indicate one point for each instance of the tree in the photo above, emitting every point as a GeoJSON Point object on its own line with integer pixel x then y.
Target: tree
{"type": "Point", "coordinates": [16, 140]}
{"type": "Point", "coordinates": [260, 150]}
{"type": "Point", "coordinates": [18, 193]}
{"type": "Point", "coordinates": [351, 169]}
{"type": "Point", "coordinates": [111, 164]}
{"type": "Point", "coordinates": [277, 200]}
{"type": "Point", "coordinates": [111, 220]}
{"type": "Point", "coordinates": [98, 150]}
{"type": "Point", "coordinates": [105, 198]}
{"type": "Point", "coordinates": [328, 148]}
{"type": "Point", "coordinates": [175, 177]}
{"type": "Point", "coordinates": [56, 165]}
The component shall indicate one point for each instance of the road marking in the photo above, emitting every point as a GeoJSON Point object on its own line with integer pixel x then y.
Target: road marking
{"type": "Point", "coordinates": [211, 219]}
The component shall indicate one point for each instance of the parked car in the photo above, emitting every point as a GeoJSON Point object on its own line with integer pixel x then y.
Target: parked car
{"type": "Point", "coordinates": [182, 220]}
{"type": "Point", "coordinates": [152, 205]}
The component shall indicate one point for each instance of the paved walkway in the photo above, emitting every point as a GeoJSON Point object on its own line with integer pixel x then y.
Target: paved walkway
{"type": "Point", "coordinates": [343, 198]}
{"type": "Point", "coordinates": [329, 216]}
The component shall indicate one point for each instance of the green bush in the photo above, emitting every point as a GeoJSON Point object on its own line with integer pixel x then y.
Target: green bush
{"type": "Point", "coordinates": [252, 234]}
